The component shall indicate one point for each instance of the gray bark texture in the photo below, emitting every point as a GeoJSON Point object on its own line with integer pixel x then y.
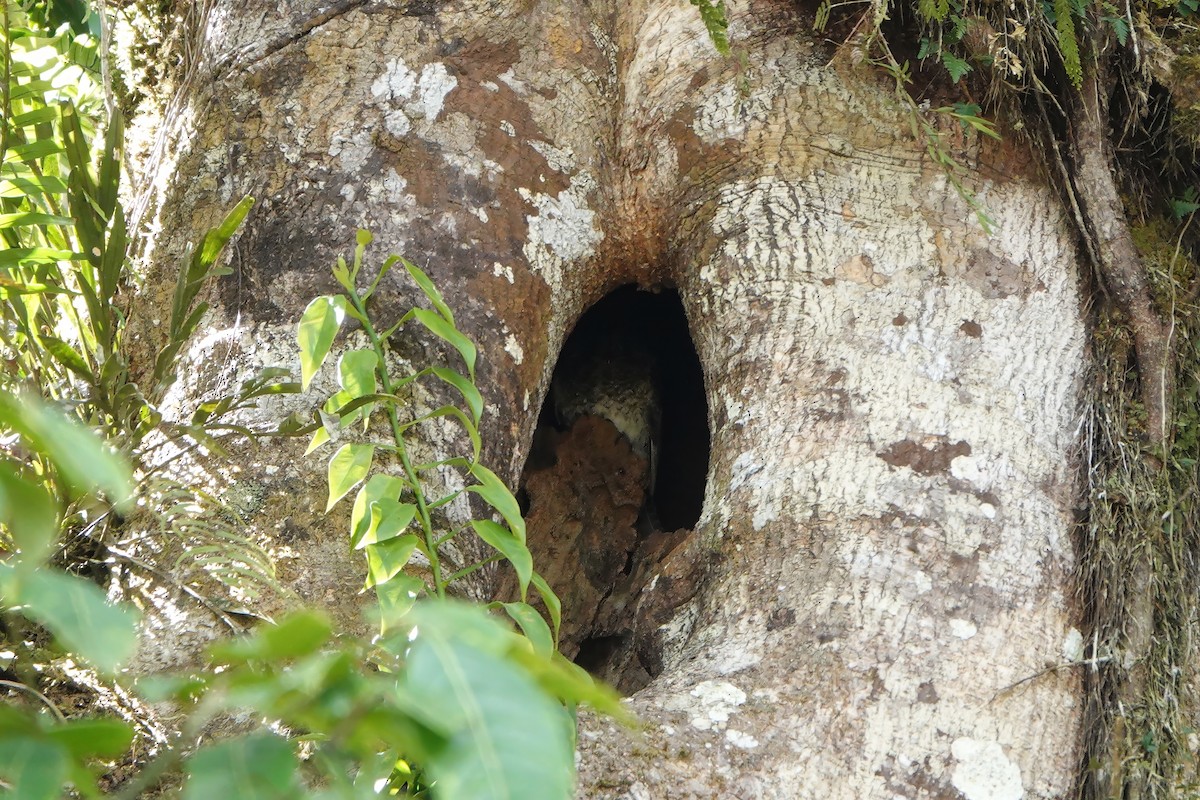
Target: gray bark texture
{"type": "Point", "coordinates": [884, 605]}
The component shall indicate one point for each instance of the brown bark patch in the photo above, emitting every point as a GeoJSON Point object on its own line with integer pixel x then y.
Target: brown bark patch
{"type": "Point", "coordinates": [506, 123]}
{"type": "Point", "coordinates": [971, 328]}
{"type": "Point", "coordinates": [922, 459]}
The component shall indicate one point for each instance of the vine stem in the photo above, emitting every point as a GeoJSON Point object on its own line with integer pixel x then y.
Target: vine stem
{"type": "Point", "coordinates": [410, 473]}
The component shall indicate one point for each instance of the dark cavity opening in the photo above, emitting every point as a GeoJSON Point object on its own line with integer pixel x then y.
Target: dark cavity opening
{"type": "Point", "coordinates": [615, 481]}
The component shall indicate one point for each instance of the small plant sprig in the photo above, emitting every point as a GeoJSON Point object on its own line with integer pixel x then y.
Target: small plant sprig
{"type": "Point", "coordinates": [389, 506]}
{"type": "Point", "coordinates": [451, 689]}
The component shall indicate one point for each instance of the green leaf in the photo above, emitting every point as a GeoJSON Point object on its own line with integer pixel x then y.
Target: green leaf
{"type": "Point", "coordinates": [378, 514]}
{"type": "Point", "coordinates": [258, 766]}
{"type": "Point", "coordinates": [356, 370]}
{"type": "Point", "coordinates": [349, 465]}
{"type": "Point", "coordinates": [379, 487]}
{"type": "Point", "coordinates": [30, 515]}
{"type": "Point", "coordinates": [396, 599]}
{"type": "Point", "coordinates": [497, 495]}
{"type": "Point", "coordinates": [429, 290]}
{"type": "Point", "coordinates": [112, 264]}
{"type": "Point", "coordinates": [296, 635]}
{"type": "Point", "coordinates": [1181, 208]}
{"type": "Point", "coordinates": [553, 604]}
{"type": "Point", "coordinates": [318, 327]}
{"type": "Point", "coordinates": [216, 238]}
{"type": "Point", "coordinates": [465, 387]}
{"type": "Point", "coordinates": [715, 22]}
{"type": "Point", "coordinates": [76, 612]}
{"type": "Point", "coordinates": [67, 356]}
{"type": "Point", "coordinates": [17, 256]}
{"type": "Point", "coordinates": [320, 436]}
{"type": "Point", "coordinates": [507, 737]}
{"type": "Point", "coordinates": [443, 329]}
{"type": "Point", "coordinates": [956, 66]}
{"type": "Point", "coordinates": [1068, 45]}
{"type": "Point", "coordinates": [389, 558]}
{"type": "Point", "coordinates": [533, 626]}
{"type": "Point", "coordinates": [33, 150]}
{"type": "Point", "coordinates": [34, 769]}
{"type": "Point", "coordinates": [24, 218]}
{"type": "Point", "coordinates": [933, 10]}
{"type": "Point", "coordinates": [108, 181]}
{"type": "Point", "coordinates": [92, 738]}
{"type": "Point", "coordinates": [30, 185]}
{"type": "Point", "coordinates": [200, 267]}
{"type": "Point", "coordinates": [509, 546]}
{"type": "Point", "coordinates": [389, 518]}
{"type": "Point", "coordinates": [85, 463]}
{"type": "Point", "coordinates": [35, 117]}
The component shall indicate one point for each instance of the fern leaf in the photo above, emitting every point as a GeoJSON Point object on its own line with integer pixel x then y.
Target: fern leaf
{"type": "Point", "coordinates": [1068, 45]}
{"type": "Point", "coordinates": [715, 22]}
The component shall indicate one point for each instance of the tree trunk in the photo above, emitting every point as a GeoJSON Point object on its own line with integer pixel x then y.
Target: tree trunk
{"type": "Point", "coordinates": [882, 603]}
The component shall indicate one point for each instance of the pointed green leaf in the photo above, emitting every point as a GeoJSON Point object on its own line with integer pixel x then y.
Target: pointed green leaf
{"type": "Point", "coordinates": [389, 558]}
{"type": "Point", "coordinates": [553, 604]}
{"type": "Point", "coordinates": [35, 117]}
{"type": "Point", "coordinates": [17, 256]}
{"type": "Point", "coordinates": [318, 327]}
{"type": "Point", "coordinates": [33, 150]}
{"type": "Point", "coordinates": [113, 262]}
{"type": "Point", "coordinates": [216, 238]}
{"type": "Point", "coordinates": [388, 518]}
{"type": "Point", "coordinates": [533, 626]}
{"type": "Point", "coordinates": [349, 465]}
{"type": "Point", "coordinates": [443, 329]}
{"type": "Point", "coordinates": [259, 765]}
{"type": "Point", "coordinates": [465, 387]}
{"type": "Point", "coordinates": [23, 218]}
{"type": "Point", "coordinates": [497, 495]}
{"type": "Point", "coordinates": [380, 488]}
{"type": "Point", "coordinates": [509, 546]}
{"type": "Point", "coordinates": [320, 436]}
{"type": "Point", "coordinates": [28, 512]}
{"type": "Point", "coordinates": [508, 734]}
{"type": "Point", "coordinates": [429, 290]}
{"type": "Point", "coordinates": [356, 372]}
{"type": "Point", "coordinates": [33, 769]}
{"type": "Point", "coordinates": [82, 459]}
{"type": "Point", "coordinates": [67, 356]}
{"type": "Point", "coordinates": [396, 599]}
{"type": "Point", "coordinates": [80, 617]}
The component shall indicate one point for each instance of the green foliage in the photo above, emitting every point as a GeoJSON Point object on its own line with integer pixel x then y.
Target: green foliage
{"type": "Point", "coordinates": [485, 710]}
{"type": "Point", "coordinates": [65, 276]}
{"type": "Point", "coordinates": [1068, 44]}
{"type": "Point", "coordinates": [388, 506]}
{"type": "Point", "coordinates": [715, 22]}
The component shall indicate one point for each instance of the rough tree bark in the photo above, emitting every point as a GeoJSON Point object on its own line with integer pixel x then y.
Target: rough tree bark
{"type": "Point", "coordinates": [886, 535]}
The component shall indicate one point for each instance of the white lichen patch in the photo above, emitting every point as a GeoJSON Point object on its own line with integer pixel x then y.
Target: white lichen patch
{"type": "Point", "coordinates": [962, 628]}
{"type": "Point", "coordinates": [1072, 646]}
{"type": "Point", "coordinates": [709, 704]}
{"type": "Point", "coordinates": [560, 159]}
{"type": "Point", "coordinates": [513, 348]}
{"type": "Point", "coordinates": [405, 95]}
{"type": "Point", "coordinates": [563, 230]}
{"type": "Point", "coordinates": [739, 739]}
{"type": "Point", "coordinates": [984, 772]}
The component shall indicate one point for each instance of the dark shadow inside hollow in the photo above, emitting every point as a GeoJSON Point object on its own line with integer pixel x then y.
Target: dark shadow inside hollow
{"type": "Point", "coordinates": [615, 481]}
